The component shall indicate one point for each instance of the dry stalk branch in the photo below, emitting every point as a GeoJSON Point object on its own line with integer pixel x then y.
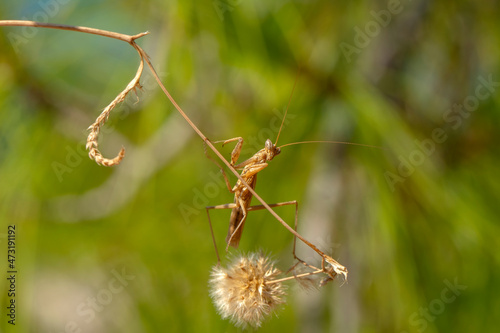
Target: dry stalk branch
{"type": "Point", "coordinates": [334, 269]}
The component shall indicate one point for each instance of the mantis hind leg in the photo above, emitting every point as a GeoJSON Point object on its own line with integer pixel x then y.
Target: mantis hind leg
{"type": "Point", "coordinates": [251, 208]}
{"type": "Point", "coordinates": [286, 203]}
{"type": "Point", "coordinates": [225, 206]}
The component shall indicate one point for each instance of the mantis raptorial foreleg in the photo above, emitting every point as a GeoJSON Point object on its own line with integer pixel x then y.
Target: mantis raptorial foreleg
{"type": "Point", "coordinates": [251, 208]}
{"type": "Point", "coordinates": [235, 154]}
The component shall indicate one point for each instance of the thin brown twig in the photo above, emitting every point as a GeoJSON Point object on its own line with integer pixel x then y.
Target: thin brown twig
{"type": "Point", "coordinates": [92, 139]}
{"type": "Point", "coordinates": [298, 276]}
{"type": "Point", "coordinates": [21, 23]}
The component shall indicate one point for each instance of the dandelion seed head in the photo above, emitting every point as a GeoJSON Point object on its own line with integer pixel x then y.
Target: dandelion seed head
{"type": "Point", "coordinates": [244, 291]}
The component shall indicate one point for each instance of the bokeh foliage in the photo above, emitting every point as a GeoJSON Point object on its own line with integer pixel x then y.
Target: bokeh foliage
{"type": "Point", "coordinates": [231, 66]}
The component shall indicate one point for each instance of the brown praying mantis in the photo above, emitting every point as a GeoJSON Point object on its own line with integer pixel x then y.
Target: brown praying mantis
{"type": "Point", "coordinates": [243, 195]}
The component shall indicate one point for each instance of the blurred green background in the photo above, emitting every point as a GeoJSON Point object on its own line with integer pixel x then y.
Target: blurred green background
{"type": "Point", "coordinates": [416, 224]}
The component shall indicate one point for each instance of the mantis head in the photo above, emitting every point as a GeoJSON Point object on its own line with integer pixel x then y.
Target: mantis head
{"type": "Point", "coordinates": [271, 150]}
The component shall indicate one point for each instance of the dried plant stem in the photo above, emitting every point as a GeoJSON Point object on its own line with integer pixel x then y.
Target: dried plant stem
{"type": "Point", "coordinates": [21, 23]}
{"type": "Point", "coordinates": [95, 127]}
{"type": "Point", "coordinates": [298, 276]}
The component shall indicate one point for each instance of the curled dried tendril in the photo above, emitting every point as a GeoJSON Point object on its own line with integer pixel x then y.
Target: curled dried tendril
{"type": "Point", "coordinates": [92, 144]}
{"type": "Point", "coordinates": [92, 139]}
